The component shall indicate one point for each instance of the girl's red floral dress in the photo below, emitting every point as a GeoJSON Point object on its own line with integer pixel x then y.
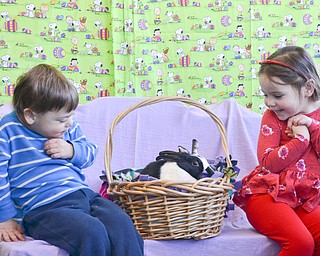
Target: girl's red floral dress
{"type": "Point", "coordinates": [289, 168]}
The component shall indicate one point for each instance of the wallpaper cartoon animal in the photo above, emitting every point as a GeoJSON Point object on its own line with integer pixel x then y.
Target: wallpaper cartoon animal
{"type": "Point", "coordinates": [207, 50]}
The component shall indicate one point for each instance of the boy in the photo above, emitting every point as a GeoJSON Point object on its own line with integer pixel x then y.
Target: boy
{"type": "Point", "coordinates": [42, 154]}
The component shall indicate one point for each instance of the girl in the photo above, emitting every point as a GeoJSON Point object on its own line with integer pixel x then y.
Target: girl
{"type": "Point", "coordinates": [281, 195]}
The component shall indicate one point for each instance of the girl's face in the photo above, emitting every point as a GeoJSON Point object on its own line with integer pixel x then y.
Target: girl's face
{"type": "Point", "coordinates": [282, 99]}
{"type": "Point", "coordinates": [52, 124]}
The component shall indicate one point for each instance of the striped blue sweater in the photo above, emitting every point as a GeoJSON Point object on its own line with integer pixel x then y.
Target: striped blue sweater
{"type": "Point", "coordinates": [29, 178]}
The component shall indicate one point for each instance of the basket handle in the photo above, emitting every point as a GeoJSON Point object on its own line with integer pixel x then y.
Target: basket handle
{"type": "Point", "coordinates": [151, 101]}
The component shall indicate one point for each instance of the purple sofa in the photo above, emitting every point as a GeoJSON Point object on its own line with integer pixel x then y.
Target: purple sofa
{"type": "Point", "coordinates": [140, 136]}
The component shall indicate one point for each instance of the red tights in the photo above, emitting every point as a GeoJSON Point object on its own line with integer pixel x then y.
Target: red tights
{"type": "Point", "coordinates": [295, 230]}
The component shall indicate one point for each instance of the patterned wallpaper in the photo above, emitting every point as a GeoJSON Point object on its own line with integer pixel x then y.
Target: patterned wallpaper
{"type": "Point", "coordinates": [206, 50]}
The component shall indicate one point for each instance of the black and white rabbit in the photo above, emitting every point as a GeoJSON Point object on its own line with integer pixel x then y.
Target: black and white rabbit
{"type": "Point", "coordinates": [178, 166]}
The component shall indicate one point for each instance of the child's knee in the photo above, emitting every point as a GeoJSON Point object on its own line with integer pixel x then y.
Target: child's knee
{"type": "Point", "coordinates": [299, 244]}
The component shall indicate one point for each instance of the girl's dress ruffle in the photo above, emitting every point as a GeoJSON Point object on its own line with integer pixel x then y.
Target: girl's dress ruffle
{"type": "Point", "coordinates": [292, 187]}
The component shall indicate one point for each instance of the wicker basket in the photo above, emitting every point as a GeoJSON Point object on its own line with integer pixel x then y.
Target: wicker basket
{"type": "Point", "coordinates": [172, 210]}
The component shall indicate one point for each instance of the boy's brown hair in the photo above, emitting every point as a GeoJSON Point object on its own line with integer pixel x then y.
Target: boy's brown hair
{"type": "Point", "coordinates": [43, 88]}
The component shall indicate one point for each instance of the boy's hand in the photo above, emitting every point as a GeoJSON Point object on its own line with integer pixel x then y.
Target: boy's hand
{"type": "Point", "coordinates": [58, 148]}
{"type": "Point", "coordinates": [11, 231]}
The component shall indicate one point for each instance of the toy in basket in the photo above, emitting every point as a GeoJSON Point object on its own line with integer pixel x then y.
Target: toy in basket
{"type": "Point", "coordinates": [167, 209]}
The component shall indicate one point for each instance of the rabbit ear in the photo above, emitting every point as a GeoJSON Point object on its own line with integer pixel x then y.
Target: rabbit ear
{"type": "Point", "coordinates": [168, 155]}
{"type": "Point", "coordinates": [195, 146]}
{"type": "Point", "coordinates": [183, 150]}
{"type": "Point", "coordinates": [167, 158]}
{"type": "Point", "coordinates": [168, 152]}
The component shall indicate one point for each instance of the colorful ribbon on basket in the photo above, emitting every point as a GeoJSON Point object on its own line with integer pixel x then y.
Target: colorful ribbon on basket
{"type": "Point", "coordinates": [219, 165]}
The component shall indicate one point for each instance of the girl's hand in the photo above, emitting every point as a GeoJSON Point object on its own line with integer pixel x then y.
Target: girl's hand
{"type": "Point", "coordinates": [59, 148]}
{"type": "Point", "coordinates": [298, 125]}
{"type": "Point", "coordinates": [302, 130]}
{"type": "Point", "coordinates": [11, 231]}
{"type": "Point", "coordinates": [299, 120]}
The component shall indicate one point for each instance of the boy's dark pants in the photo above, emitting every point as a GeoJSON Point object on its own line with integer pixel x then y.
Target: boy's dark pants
{"type": "Point", "coordinates": [83, 223]}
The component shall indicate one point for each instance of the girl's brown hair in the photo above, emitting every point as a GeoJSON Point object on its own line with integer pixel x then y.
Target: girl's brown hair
{"type": "Point", "coordinates": [298, 69]}
{"type": "Point", "coordinates": [43, 88]}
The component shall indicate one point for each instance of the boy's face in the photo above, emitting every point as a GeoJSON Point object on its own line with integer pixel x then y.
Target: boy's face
{"type": "Point", "coordinates": [52, 124]}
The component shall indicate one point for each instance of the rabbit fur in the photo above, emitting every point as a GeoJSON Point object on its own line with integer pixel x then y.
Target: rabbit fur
{"type": "Point", "coordinates": [178, 166]}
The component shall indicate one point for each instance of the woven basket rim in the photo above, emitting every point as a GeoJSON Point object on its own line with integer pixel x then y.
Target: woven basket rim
{"type": "Point", "coordinates": [151, 101]}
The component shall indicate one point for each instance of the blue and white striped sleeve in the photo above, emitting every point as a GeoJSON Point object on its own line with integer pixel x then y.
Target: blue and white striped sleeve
{"type": "Point", "coordinates": [85, 152]}
{"type": "Point", "coordinates": [7, 209]}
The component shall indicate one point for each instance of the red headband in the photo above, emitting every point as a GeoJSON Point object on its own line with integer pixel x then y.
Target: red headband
{"type": "Point", "coordinates": [275, 62]}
